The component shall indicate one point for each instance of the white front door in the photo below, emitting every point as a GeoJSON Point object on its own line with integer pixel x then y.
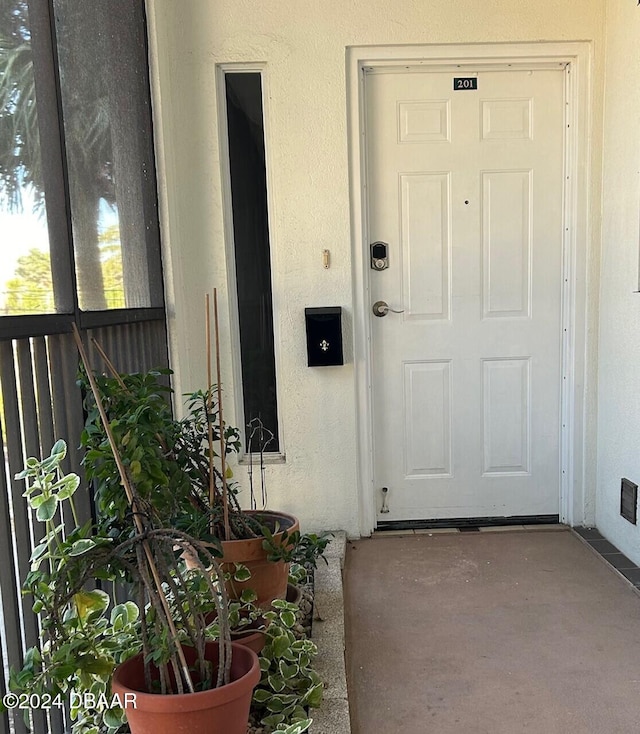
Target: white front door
{"type": "Point", "coordinates": [466, 187]}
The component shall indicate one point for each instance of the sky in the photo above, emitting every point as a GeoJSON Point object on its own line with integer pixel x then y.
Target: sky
{"type": "Point", "coordinates": [26, 229]}
{"type": "Point", "coordinates": [20, 232]}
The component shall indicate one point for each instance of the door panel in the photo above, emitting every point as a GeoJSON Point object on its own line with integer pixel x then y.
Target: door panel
{"type": "Point", "coordinates": [506, 243]}
{"type": "Point", "coordinates": [507, 415]}
{"type": "Point", "coordinates": [427, 411]}
{"type": "Point", "coordinates": [426, 245]}
{"type": "Point", "coordinates": [467, 189]}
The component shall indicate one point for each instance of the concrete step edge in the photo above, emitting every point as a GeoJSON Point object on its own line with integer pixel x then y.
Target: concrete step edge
{"type": "Point", "coordinates": [332, 717]}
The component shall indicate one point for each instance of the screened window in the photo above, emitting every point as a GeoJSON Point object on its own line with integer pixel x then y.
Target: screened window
{"type": "Point", "coordinates": [26, 285]}
{"type": "Point", "coordinates": [78, 207]}
{"type": "Point", "coordinates": [105, 104]}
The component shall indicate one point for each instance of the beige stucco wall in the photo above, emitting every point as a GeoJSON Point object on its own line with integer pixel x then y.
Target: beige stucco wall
{"type": "Point", "coordinates": [303, 45]}
{"type": "Point", "coordinates": [619, 369]}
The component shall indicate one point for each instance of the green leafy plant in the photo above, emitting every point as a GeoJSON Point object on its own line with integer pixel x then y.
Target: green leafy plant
{"type": "Point", "coordinates": [168, 460]}
{"type": "Point", "coordinates": [288, 683]}
{"type": "Point", "coordinates": [146, 434]}
{"type": "Point", "coordinates": [243, 616]}
{"type": "Point", "coordinates": [298, 574]}
{"type": "Point", "coordinates": [171, 463]}
{"type": "Point", "coordinates": [298, 728]}
{"type": "Point", "coordinates": [81, 641]}
{"type": "Point", "coordinates": [198, 445]}
{"type": "Point", "coordinates": [303, 549]}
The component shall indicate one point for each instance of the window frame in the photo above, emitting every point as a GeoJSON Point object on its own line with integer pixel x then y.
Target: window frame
{"type": "Point", "coordinates": [222, 69]}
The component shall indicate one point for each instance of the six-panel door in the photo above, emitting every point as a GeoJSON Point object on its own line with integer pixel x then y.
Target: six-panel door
{"type": "Point", "coordinates": [466, 186]}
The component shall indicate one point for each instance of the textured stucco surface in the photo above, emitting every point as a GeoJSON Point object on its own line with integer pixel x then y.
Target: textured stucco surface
{"type": "Point", "coordinates": [303, 45]}
{"type": "Point", "coordinates": [619, 366]}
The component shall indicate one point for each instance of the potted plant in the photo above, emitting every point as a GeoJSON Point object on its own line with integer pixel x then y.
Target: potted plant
{"type": "Point", "coordinates": [288, 684]}
{"type": "Point", "coordinates": [202, 447]}
{"type": "Point", "coordinates": [181, 468]}
{"type": "Point", "coordinates": [82, 640]}
{"type": "Point", "coordinates": [170, 671]}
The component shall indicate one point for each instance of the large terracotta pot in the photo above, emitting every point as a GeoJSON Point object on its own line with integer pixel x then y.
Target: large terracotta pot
{"type": "Point", "coordinates": [223, 710]}
{"type": "Point", "coordinates": [268, 579]}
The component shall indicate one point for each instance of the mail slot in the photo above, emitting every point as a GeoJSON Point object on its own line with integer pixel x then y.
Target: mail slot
{"type": "Point", "coordinates": [324, 336]}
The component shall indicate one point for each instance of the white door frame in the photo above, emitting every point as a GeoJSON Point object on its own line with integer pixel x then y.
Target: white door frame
{"type": "Point", "coordinates": [576, 56]}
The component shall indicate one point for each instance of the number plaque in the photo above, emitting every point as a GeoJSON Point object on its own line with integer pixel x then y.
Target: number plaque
{"type": "Point", "coordinates": [465, 82]}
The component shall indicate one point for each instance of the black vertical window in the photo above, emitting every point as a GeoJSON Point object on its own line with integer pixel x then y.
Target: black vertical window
{"type": "Point", "coordinates": [252, 254]}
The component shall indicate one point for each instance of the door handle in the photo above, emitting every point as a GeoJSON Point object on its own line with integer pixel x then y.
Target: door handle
{"type": "Point", "coordinates": [382, 308]}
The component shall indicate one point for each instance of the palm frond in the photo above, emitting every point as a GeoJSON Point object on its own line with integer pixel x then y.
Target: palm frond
{"type": "Point", "coordinates": [20, 163]}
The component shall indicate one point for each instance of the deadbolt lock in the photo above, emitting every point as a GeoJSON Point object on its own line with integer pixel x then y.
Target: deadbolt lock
{"type": "Point", "coordinates": [379, 255]}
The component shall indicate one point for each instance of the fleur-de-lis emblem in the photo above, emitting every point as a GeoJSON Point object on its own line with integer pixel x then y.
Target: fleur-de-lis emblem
{"type": "Point", "coordinates": [324, 345]}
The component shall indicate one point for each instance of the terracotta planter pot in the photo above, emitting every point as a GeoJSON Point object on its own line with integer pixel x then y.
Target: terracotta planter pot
{"type": "Point", "coordinates": [223, 710]}
{"type": "Point", "coordinates": [251, 635]}
{"type": "Point", "coordinates": [294, 594]}
{"type": "Point", "coordinates": [268, 579]}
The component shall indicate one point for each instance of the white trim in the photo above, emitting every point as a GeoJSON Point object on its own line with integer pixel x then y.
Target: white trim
{"type": "Point", "coordinates": [227, 216]}
{"type": "Point", "coordinates": [161, 155]}
{"type": "Point", "coordinates": [576, 56]}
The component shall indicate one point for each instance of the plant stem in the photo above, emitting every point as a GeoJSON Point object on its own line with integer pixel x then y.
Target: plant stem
{"type": "Point", "coordinates": [73, 512]}
{"type": "Point", "coordinates": [49, 531]}
{"type": "Point", "coordinates": [208, 411]}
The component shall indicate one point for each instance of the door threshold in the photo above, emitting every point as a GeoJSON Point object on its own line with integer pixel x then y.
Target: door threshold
{"type": "Point", "coordinates": [467, 523]}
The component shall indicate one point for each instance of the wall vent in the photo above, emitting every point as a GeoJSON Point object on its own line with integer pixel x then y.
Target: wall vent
{"type": "Point", "coordinates": [629, 500]}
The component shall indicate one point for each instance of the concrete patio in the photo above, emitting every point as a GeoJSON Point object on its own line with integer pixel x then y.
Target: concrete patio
{"type": "Point", "coordinates": [489, 633]}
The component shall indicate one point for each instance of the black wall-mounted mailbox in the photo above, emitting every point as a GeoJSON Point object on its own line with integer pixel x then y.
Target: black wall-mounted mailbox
{"type": "Point", "coordinates": [324, 336]}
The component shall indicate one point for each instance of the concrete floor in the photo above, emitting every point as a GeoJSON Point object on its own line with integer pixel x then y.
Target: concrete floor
{"type": "Point", "coordinates": [489, 633]}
